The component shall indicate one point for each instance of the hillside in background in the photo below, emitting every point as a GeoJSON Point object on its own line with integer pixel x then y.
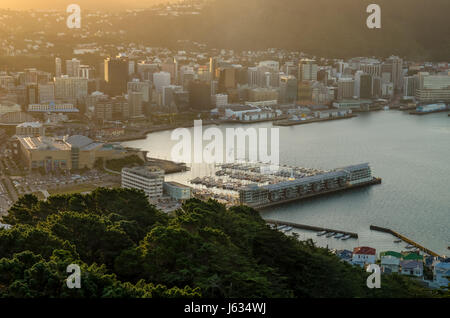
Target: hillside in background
{"type": "Point", "coordinates": [86, 4]}
{"type": "Point", "coordinates": [412, 28]}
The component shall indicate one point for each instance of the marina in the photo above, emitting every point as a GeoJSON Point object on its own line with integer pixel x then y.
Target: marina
{"type": "Point", "coordinates": [259, 185]}
{"type": "Point", "coordinates": [409, 188]}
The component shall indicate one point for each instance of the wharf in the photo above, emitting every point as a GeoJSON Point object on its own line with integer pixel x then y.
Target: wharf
{"type": "Point", "coordinates": [403, 238]}
{"type": "Point", "coordinates": [288, 122]}
{"type": "Point", "coordinates": [310, 227]}
{"type": "Point", "coordinates": [238, 121]}
{"type": "Point", "coordinates": [431, 112]}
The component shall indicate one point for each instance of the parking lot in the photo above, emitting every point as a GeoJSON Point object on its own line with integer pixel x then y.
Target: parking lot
{"type": "Point", "coordinates": [57, 182]}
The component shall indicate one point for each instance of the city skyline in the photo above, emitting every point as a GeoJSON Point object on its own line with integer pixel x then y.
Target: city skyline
{"type": "Point", "coordinates": [225, 149]}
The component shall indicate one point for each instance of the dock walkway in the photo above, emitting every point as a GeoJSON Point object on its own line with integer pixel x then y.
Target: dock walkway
{"type": "Point", "coordinates": [310, 227]}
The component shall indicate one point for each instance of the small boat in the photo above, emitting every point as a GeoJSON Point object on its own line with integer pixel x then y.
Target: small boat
{"type": "Point", "coordinates": [398, 241]}
{"type": "Point", "coordinates": [321, 233]}
{"type": "Point", "coordinates": [280, 227]}
{"type": "Point", "coordinates": [330, 234]}
{"type": "Point", "coordinates": [287, 229]}
{"type": "Point", "coordinates": [409, 246]}
{"type": "Point", "coordinates": [346, 237]}
{"type": "Point", "coordinates": [339, 235]}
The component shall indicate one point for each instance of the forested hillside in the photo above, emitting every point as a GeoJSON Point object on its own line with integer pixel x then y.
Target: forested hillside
{"type": "Point", "coordinates": [127, 248]}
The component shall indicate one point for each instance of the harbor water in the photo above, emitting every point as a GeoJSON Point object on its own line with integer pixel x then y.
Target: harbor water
{"type": "Point", "coordinates": [410, 153]}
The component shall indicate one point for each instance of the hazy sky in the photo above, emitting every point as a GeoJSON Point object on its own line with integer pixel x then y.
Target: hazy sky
{"type": "Point", "coordinates": [89, 4]}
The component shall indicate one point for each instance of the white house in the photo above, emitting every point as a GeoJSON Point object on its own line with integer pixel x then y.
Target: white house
{"type": "Point", "coordinates": [363, 255]}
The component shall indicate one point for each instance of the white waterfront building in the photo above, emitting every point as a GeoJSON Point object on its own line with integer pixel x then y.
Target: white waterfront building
{"type": "Point", "coordinates": [148, 179]}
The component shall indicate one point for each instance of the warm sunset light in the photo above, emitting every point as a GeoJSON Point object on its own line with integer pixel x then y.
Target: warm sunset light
{"type": "Point", "coordinates": [224, 158]}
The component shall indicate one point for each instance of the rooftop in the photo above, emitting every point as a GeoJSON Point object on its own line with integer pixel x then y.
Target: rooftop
{"type": "Point", "coordinates": [34, 124]}
{"type": "Point", "coordinates": [44, 143]}
{"type": "Point", "coordinates": [178, 185]}
{"type": "Point", "coordinates": [145, 171]}
{"type": "Point", "coordinates": [410, 264]}
{"type": "Point", "coordinates": [364, 250]}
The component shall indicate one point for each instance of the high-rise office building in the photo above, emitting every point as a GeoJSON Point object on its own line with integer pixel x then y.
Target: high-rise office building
{"type": "Point", "coordinates": [58, 67]}
{"type": "Point", "coordinates": [396, 66]}
{"type": "Point", "coordinates": [410, 85]}
{"type": "Point", "coordinates": [187, 75]}
{"type": "Point", "coordinates": [358, 83]}
{"type": "Point", "coordinates": [116, 75]}
{"type": "Point", "coordinates": [346, 88]}
{"type": "Point", "coordinates": [103, 109]}
{"type": "Point", "coordinates": [307, 70]}
{"type": "Point", "coordinates": [227, 79]}
{"type": "Point", "coordinates": [71, 89]}
{"type": "Point", "coordinates": [199, 95]}
{"type": "Point", "coordinates": [376, 87]}
{"type": "Point", "coordinates": [146, 70]}
{"type": "Point", "coordinates": [365, 87]}
{"type": "Point", "coordinates": [305, 92]}
{"type": "Point", "coordinates": [32, 94]}
{"type": "Point", "coordinates": [85, 71]}
{"type": "Point", "coordinates": [170, 67]}
{"type": "Point", "coordinates": [143, 87]}
{"type": "Point", "coordinates": [213, 65]}
{"type": "Point", "coordinates": [160, 80]}
{"type": "Point", "coordinates": [46, 93]}
{"type": "Point", "coordinates": [73, 67]}
{"type": "Point", "coordinates": [288, 89]}
{"type": "Point", "coordinates": [373, 69]}
{"type": "Point", "coordinates": [167, 96]}
{"type": "Point", "coordinates": [135, 100]}
{"type": "Point", "coordinates": [252, 74]}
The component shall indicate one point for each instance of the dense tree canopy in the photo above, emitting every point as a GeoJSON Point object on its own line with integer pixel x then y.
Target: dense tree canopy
{"type": "Point", "coordinates": [127, 248]}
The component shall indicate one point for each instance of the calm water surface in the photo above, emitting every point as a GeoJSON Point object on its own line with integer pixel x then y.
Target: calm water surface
{"type": "Point", "coordinates": [410, 153]}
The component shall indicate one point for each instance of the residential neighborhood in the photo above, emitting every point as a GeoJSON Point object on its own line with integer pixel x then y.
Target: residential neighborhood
{"type": "Point", "coordinates": [433, 271]}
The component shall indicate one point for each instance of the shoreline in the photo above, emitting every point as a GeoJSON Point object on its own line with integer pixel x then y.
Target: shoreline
{"type": "Point", "coordinates": [315, 120]}
{"type": "Point", "coordinates": [431, 112]}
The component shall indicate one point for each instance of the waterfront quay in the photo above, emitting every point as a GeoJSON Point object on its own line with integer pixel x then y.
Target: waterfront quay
{"type": "Point", "coordinates": [405, 239]}
{"type": "Point", "coordinates": [290, 122]}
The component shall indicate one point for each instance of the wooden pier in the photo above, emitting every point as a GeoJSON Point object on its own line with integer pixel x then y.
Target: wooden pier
{"type": "Point", "coordinates": [404, 238]}
{"type": "Point", "coordinates": [310, 227]}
